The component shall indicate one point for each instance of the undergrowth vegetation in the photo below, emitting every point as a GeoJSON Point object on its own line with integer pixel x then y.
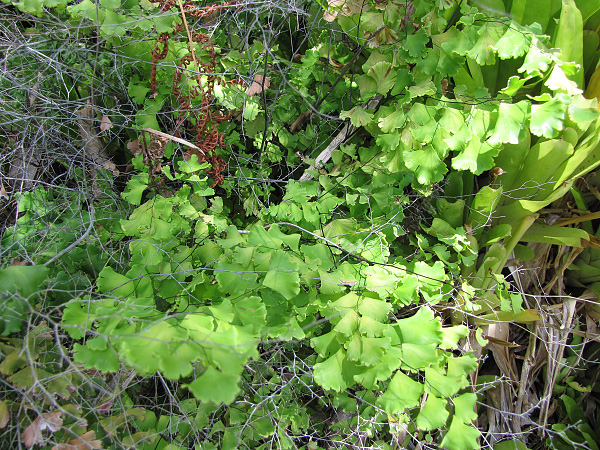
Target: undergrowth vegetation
{"type": "Point", "coordinates": [349, 224]}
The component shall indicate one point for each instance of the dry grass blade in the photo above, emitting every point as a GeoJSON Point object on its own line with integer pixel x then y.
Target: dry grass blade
{"type": "Point", "coordinates": [173, 138]}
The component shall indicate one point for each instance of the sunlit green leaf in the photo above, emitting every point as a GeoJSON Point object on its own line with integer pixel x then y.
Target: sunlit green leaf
{"type": "Point", "coordinates": [433, 415]}
{"type": "Point", "coordinates": [283, 275]}
{"type": "Point", "coordinates": [547, 118]}
{"type": "Point", "coordinates": [460, 436]}
{"type": "Point", "coordinates": [335, 372]}
{"type": "Point", "coordinates": [215, 386]}
{"type": "Point", "coordinates": [384, 76]}
{"type": "Point", "coordinates": [513, 43]}
{"type": "Point", "coordinates": [392, 121]}
{"type": "Point", "coordinates": [115, 283]}
{"type": "Point", "coordinates": [484, 49]}
{"type": "Point", "coordinates": [415, 43]}
{"type": "Point", "coordinates": [402, 393]}
{"type": "Point", "coordinates": [420, 329]}
{"type": "Point", "coordinates": [537, 60]}
{"type": "Point", "coordinates": [510, 122]}
{"type": "Point", "coordinates": [358, 116]}
{"type": "Point", "coordinates": [426, 164]}
{"type": "Point", "coordinates": [464, 407]}
{"type": "Point", "coordinates": [476, 157]}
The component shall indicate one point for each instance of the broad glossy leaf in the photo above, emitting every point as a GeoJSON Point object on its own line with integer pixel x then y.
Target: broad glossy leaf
{"type": "Point", "coordinates": [536, 12]}
{"type": "Point", "coordinates": [571, 237]}
{"type": "Point", "coordinates": [483, 208]}
{"type": "Point", "coordinates": [525, 316]}
{"type": "Point", "coordinates": [569, 37]}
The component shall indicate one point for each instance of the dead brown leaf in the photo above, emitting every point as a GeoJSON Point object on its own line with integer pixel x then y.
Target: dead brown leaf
{"type": "Point", "coordinates": [109, 165]}
{"type": "Point", "coordinates": [3, 193]}
{"type": "Point", "coordinates": [4, 414]}
{"type": "Point", "coordinates": [105, 124]}
{"type": "Point", "coordinates": [259, 84]}
{"type": "Point", "coordinates": [86, 441]}
{"type": "Point", "coordinates": [134, 146]}
{"type": "Point", "coordinates": [47, 421]}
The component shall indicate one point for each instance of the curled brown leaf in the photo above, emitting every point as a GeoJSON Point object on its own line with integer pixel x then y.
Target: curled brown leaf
{"type": "Point", "coordinates": [105, 124]}
{"type": "Point", "coordinates": [47, 421]}
{"type": "Point", "coordinates": [86, 441]}
{"type": "Point", "coordinates": [259, 84]}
